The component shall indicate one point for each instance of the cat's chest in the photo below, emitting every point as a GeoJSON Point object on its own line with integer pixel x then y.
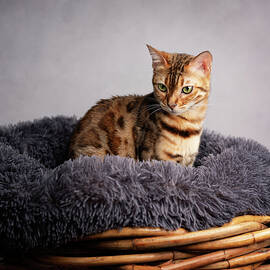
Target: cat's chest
{"type": "Point", "coordinates": [178, 139]}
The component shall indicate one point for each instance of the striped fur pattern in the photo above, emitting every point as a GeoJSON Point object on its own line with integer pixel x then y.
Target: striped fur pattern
{"type": "Point", "coordinates": [163, 125]}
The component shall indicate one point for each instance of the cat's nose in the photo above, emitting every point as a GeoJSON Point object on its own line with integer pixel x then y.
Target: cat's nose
{"type": "Point", "coordinates": [172, 105]}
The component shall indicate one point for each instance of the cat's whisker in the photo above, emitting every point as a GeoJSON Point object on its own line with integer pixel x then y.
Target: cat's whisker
{"type": "Point", "coordinates": [151, 107]}
{"type": "Point", "coordinates": [147, 109]}
{"type": "Point", "coordinates": [197, 105]}
{"type": "Point", "coordinates": [158, 109]}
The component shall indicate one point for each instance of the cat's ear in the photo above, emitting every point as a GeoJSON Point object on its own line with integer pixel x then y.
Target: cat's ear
{"type": "Point", "coordinates": [201, 63]}
{"type": "Point", "coordinates": [159, 59]}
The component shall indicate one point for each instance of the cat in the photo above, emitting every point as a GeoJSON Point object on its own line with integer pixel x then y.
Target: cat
{"type": "Point", "coordinates": [163, 125]}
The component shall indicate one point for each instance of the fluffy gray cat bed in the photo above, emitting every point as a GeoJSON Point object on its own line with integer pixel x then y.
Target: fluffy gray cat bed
{"type": "Point", "coordinates": [46, 200]}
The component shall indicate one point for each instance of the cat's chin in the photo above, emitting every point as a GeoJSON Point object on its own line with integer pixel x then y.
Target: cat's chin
{"type": "Point", "coordinates": [177, 113]}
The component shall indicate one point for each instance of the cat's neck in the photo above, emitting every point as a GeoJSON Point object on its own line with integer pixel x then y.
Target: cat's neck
{"type": "Point", "coordinates": [195, 114]}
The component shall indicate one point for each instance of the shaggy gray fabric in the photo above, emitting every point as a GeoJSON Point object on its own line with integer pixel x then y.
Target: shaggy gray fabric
{"type": "Point", "coordinates": [45, 201]}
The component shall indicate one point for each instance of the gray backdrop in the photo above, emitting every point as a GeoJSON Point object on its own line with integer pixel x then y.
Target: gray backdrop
{"type": "Point", "coordinates": [61, 56]}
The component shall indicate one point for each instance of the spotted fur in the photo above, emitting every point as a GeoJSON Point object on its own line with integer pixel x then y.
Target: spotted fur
{"type": "Point", "coordinates": [161, 125]}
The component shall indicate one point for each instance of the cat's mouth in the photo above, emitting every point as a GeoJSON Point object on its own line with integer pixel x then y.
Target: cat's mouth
{"type": "Point", "coordinates": [172, 111]}
{"type": "Point", "coordinates": [191, 106]}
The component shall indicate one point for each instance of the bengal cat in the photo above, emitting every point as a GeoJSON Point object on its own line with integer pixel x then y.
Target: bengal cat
{"type": "Point", "coordinates": [163, 125]}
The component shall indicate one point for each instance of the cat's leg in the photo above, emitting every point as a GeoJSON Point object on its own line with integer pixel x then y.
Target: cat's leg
{"type": "Point", "coordinates": [90, 151]}
{"type": "Point", "coordinates": [189, 160]}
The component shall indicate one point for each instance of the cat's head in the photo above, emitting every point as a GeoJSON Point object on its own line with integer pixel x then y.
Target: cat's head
{"type": "Point", "coordinates": [181, 82]}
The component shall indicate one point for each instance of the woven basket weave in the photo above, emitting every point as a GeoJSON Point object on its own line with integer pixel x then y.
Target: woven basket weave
{"type": "Point", "coordinates": [244, 243]}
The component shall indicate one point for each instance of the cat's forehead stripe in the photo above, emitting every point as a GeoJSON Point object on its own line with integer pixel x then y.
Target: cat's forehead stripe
{"type": "Point", "coordinates": [178, 62]}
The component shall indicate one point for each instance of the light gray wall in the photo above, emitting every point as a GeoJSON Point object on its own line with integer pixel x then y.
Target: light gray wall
{"type": "Point", "coordinates": [61, 56]}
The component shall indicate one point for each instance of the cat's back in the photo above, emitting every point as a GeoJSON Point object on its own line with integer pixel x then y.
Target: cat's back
{"type": "Point", "coordinates": [107, 128]}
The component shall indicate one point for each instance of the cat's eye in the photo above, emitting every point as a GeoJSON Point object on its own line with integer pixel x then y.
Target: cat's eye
{"type": "Point", "coordinates": [187, 89]}
{"type": "Point", "coordinates": [162, 87]}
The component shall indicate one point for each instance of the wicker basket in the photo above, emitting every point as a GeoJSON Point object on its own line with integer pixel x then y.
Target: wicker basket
{"type": "Point", "coordinates": [244, 243]}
